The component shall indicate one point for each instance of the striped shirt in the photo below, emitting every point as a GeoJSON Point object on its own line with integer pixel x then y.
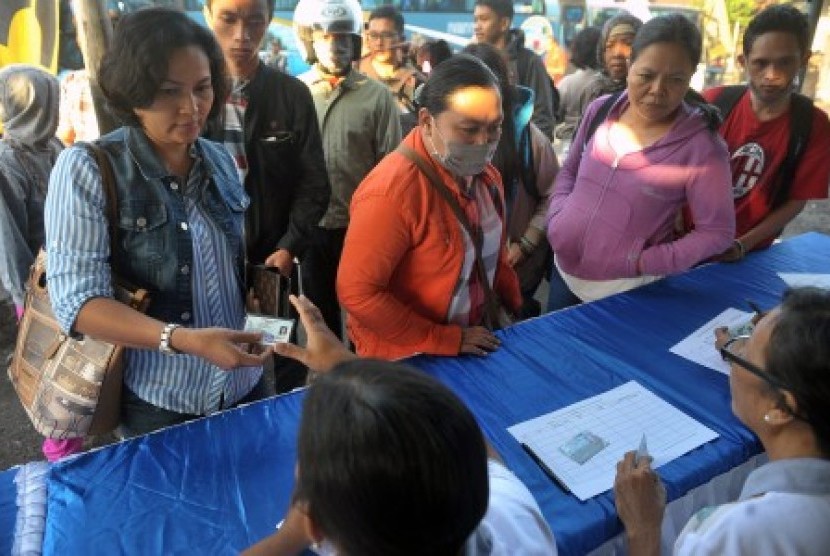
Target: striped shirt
{"type": "Point", "coordinates": [234, 133]}
{"type": "Point", "coordinates": [78, 270]}
{"type": "Point", "coordinates": [467, 304]}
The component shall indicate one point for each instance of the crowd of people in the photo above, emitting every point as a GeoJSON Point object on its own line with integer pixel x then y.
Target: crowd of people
{"type": "Point", "coordinates": [427, 203]}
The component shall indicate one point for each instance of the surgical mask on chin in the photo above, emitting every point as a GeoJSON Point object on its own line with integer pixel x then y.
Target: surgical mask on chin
{"type": "Point", "coordinates": [462, 159]}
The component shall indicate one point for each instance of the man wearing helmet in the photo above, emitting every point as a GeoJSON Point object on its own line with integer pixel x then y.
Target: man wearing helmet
{"type": "Point", "coordinates": [359, 122]}
{"type": "Point", "coordinates": [270, 128]}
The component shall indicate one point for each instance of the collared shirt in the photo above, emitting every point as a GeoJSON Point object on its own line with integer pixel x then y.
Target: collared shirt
{"type": "Point", "coordinates": [784, 508]}
{"type": "Point", "coordinates": [78, 239]}
{"type": "Point", "coordinates": [359, 122]}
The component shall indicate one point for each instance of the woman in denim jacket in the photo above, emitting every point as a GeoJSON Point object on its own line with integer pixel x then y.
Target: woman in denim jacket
{"type": "Point", "coordinates": [178, 234]}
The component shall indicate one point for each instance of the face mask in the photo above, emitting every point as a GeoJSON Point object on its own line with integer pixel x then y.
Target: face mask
{"type": "Point", "coordinates": [463, 159]}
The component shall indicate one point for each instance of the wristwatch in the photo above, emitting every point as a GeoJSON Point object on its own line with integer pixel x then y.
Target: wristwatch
{"type": "Point", "coordinates": [164, 345]}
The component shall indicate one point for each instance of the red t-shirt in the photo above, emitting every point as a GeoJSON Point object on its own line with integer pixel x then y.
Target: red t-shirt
{"type": "Point", "coordinates": [757, 151]}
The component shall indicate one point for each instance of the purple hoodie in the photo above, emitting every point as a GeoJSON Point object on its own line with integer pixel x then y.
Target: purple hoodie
{"type": "Point", "coordinates": [605, 214]}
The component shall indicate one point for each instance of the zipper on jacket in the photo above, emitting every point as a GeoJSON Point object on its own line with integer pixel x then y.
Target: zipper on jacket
{"type": "Point", "coordinates": [605, 188]}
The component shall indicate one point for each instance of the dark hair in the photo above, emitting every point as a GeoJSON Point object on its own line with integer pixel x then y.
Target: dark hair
{"type": "Point", "coordinates": [503, 8]}
{"type": "Point", "coordinates": [798, 355]}
{"type": "Point", "coordinates": [388, 11]}
{"type": "Point", "coordinates": [269, 3]}
{"type": "Point", "coordinates": [672, 29]}
{"type": "Point", "coordinates": [435, 51]}
{"type": "Point", "coordinates": [461, 70]}
{"type": "Point", "coordinates": [390, 462]}
{"type": "Point", "coordinates": [136, 63]}
{"type": "Point", "coordinates": [506, 158]}
{"type": "Point", "coordinates": [780, 17]}
{"type": "Point", "coordinates": [584, 48]}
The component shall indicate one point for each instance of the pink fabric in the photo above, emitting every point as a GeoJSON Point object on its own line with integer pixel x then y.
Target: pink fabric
{"type": "Point", "coordinates": [18, 309]}
{"type": "Point", "coordinates": [55, 449]}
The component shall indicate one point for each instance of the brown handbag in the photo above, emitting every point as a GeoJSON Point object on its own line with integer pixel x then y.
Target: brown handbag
{"type": "Point", "coordinates": [70, 386]}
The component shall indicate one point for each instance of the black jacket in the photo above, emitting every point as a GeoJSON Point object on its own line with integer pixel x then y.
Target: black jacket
{"type": "Point", "coordinates": [286, 178]}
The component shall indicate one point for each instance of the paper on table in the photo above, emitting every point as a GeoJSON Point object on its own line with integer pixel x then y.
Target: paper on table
{"type": "Point", "coordinates": [801, 280]}
{"type": "Point", "coordinates": [699, 346]}
{"type": "Point", "coordinates": [620, 417]}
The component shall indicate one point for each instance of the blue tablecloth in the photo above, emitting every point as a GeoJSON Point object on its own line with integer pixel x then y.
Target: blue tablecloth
{"type": "Point", "coordinates": [217, 485]}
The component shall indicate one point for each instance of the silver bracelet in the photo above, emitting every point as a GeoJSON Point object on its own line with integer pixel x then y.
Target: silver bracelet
{"type": "Point", "coordinates": [741, 249]}
{"type": "Point", "coordinates": [164, 344]}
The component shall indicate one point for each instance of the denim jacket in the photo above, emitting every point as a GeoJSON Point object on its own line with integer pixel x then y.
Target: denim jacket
{"type": "Point", "coordinates": [153, 245]}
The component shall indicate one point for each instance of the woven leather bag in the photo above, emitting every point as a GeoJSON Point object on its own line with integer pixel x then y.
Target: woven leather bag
{"type": "Point", "coordinates": [69, 386]}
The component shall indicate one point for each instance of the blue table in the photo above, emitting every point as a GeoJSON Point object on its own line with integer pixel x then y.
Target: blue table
{"type": "Point", "coordinates": [217, 485]}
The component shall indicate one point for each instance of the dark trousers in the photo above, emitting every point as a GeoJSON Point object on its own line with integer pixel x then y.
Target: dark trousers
{"type": "Point", "coordinates": [140, 417]}
{"type": "Point", "coordinates": [320, 263]}
{"type": "Point", "coordinates": [560, 296]}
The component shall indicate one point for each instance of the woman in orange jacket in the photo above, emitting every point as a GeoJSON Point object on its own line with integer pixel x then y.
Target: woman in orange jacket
{"type": "Point", "coordinates": [411, 277]}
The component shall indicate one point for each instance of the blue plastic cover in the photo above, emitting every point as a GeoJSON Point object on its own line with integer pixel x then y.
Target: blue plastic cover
{"type": "Point", "coordinates": [219, 484]}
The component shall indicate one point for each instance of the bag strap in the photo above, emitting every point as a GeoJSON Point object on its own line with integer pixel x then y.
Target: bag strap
{"type": "Point", "coordinates": [110, 194]}
{"type": "Point", "coordinates": [138, 297]}
{"type": "Point", "coordinates": [490, 302]}
{"type": "Point", "coordinates": [599, 117]}
{"type": "Point", "coordinates": [801, 125]}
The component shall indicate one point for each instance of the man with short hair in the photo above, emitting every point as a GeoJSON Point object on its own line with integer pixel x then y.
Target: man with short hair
{"type": "Point", "coordinates": [759, 127]}
{"type": "Point", "coordinates": [386, 61]}
{"type": "Point", "coordinates": [270, 128]}
{"type": "Point", "coordinates": [491, 25]}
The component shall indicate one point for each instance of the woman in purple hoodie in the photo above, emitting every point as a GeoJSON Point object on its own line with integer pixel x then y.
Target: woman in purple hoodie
{"type": "Point", "coordinates": [611, 218]}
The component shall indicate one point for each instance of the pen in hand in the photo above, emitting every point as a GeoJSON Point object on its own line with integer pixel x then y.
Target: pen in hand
{"type": "Point", "coordinates": [642, 451]}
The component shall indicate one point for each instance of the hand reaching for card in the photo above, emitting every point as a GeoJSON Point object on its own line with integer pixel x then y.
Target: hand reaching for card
{"type": "Point", "coordinates": [323, 349]}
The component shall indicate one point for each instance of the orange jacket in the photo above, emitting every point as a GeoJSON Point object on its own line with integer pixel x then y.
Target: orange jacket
{"type": "Point", "coordinates": [402, 260]}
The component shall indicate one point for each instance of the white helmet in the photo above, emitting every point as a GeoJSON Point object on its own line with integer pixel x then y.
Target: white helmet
{"type": "Point", "coordinates": [329, 16]}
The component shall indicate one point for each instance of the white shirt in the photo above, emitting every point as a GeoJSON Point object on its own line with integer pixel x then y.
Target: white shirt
{"type": "Point", "coordinates": [513, 524]}
{"type": "Point", "coordinates": [784, 509]}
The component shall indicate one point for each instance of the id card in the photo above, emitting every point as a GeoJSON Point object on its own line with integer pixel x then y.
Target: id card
{"type": "Point", "coordinates": [742, 329]}
{"type": "Point", "coordinates": [274, 330]}
{"type": "Point", "coordinates": [583, 446]}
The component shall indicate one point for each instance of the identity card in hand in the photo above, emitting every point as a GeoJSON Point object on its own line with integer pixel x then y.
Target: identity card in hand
{"type": "Point", "coordinates": [274, 330]}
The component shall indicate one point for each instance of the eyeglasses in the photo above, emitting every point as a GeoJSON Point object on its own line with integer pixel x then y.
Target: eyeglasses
{"type": "Point", "coordinates": [727, 352]}
{"type": "Point", "coordinates": [384, 36]}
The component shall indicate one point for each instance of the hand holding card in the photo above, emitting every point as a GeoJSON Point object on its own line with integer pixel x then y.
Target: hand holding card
{"type": "Point", "coordinates": [273, 330]}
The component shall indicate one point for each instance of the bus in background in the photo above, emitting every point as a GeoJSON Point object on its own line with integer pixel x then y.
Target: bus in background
{"type": "Point", "coordinates": [451, 20]}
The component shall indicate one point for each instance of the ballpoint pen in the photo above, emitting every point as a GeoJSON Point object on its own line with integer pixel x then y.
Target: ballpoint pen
{"type": "Point", "coordinates": [642, 451]}
{"type": "Point", "coordinates": [544, 467]}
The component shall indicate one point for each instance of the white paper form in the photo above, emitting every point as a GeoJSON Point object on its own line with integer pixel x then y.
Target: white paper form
{"type": "Point", "coordinates": [620, 417]}
{"type": "Point", "coordinates": [802, 280]}
{"type": "Point", "coordinates": [699, 346]}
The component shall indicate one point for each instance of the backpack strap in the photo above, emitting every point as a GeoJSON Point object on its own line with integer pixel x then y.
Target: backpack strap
{"type": "Point", "coordinates": [599, 117]}
{"type": "Point", "coordinates": [728, 98]}
{"type": "Point", "coordinates": [801, 125]}
{"type": "Point", "coordinates": [527, 165]}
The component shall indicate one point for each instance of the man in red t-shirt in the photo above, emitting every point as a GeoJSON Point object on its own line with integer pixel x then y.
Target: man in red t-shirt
{"type": "Point", "coordinates": [757, 131]}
